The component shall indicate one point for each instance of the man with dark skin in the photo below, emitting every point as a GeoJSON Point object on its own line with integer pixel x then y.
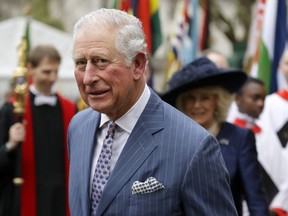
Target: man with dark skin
{"type": "Point", "coordinates": [250, 101]}
{"type": "Point", "coordinates": [250, 98]}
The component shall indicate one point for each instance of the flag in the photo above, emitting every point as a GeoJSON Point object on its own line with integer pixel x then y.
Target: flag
{"type": "Point", "coordinates": [176, 37]}
{"type": "Point", "coordinates": [113, 4]}
{"type": "Point", "coordinates": [252, 51]}
{"type": "Point", "coordinates": [125, 5]}
{"type": "Point", "coordinates": [193, 29]}
{"type": "Point", "coordinates": [27, 36]}
{"type": "Point", "coordinates": [155, 25]}
{"type": "Point", "coordinates": [141, 9]}
{"type": "Point", "coordinates": [272, 43]}
{"type": "Point", "coordinates": [147, 11]}
{"type": "Point", "coordinates": [204, 38]}
{"type": "Point", "coordinates": [184, 37]}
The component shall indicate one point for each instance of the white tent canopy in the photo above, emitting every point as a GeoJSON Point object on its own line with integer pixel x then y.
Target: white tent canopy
{"type": "Point", "coordinates": [11, 33]}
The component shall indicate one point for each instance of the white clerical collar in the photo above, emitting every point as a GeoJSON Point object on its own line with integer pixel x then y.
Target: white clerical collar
{"type": "Point", "coordinates": [41, 99]}
{"type": "Point", "coordinates": [130, 118]}
{"type": "Point", "coordinates": [250, 121]}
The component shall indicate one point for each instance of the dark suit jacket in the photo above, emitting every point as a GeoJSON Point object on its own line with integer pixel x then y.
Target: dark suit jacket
{"type": "Point", "coordinates": [240, 155]}
{"type": "Point", "coordinates": [8, 202]}
{"type": "Point", "coordinates": [10, 162]}
{"type": "Point", "coordinates": [164, 144]}
{"type": "Point", "coordinates": [5, 123]}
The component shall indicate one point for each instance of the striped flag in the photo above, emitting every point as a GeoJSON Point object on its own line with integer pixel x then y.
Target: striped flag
{"type": "Point", "coordinates": [272, 43]}
{"type": "Point", "coordinates": [148, 12]}
{"type": "Point", "coordinates": [184, 38]}
{"type": "Point", "coordinates": [155, 25]}
{"type": "Point", "coordinates": [113, 4]}
{"type": "Point", "coordinates": [252, 51]}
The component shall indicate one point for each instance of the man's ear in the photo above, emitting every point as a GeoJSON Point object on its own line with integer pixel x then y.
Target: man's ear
{"type": "Point", "coordinates": [140, 65]}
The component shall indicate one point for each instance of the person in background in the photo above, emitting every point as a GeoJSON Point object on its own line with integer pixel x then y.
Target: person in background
{"type": "Point", "coordinates": [43, 151]}
{"type": "Point", "coordinates": [203, 91]}
{"type": "Point", "coordinates": [274, 118]}
{"type": "Point", "coordinates": [9, 94]}
{"type": "Point", "coordinates": [130, 152]}
{"type": "Point", "coordinates": [221, 61]}
{"type": "Point", "coordinates": [217, 58]}
{"type": "Point", "coordinates": [250, 101]}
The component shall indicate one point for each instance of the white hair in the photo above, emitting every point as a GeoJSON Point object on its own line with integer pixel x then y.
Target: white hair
{"type": "Point", "coordinates": [130, 38]}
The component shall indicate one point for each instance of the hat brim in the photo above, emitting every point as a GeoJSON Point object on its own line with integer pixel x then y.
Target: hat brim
{"type": "Point", "coordinates": [231, 81]}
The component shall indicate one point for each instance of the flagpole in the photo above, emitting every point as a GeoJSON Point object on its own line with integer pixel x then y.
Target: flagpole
{"type": "Point", "coordinates": [20, 80]}
{"type": "Point", "coordinates": [21, 83]}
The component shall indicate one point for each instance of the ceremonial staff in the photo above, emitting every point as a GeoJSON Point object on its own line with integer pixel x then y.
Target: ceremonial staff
{"type": "Point", "coordinates": [20, 81]}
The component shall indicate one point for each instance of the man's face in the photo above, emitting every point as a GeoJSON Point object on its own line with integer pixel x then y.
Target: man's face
{"type": "Point", "coordinates": [251, 101]}
{"type": "Point", "coordinates": [105, 83]}
{"type": "Point", "coordinates": [45, 75]}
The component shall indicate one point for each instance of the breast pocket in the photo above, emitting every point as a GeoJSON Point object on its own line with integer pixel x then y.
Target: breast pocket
{"type": "Point", "coordinates": [149, 199]}
{"type": "Point", "coordinates": [162, 202]}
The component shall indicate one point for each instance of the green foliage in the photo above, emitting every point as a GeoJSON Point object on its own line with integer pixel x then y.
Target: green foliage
{"type": "Point", "coordinates": [40, 11]}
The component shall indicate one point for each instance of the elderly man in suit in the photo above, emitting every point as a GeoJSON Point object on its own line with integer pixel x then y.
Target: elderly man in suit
{"type": "Point", "coordinates": [130, 152]}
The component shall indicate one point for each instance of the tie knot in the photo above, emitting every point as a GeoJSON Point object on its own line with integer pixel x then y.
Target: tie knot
{"type": "Point", "coordinates": [111, 128]}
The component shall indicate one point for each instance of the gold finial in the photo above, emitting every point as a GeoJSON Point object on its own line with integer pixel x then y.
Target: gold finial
{"type": "Point", "coordinates": [20, 78]}
{"type": "Point", "coordinates": [22, 50]}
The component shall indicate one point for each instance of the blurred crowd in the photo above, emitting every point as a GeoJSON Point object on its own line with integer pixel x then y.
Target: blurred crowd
{"type": "Point", "coordinates": [250, 125]}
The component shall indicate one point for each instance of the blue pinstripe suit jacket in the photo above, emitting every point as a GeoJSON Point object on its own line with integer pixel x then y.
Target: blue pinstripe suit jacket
{"type": "Point", "coordinates": [164, 144]}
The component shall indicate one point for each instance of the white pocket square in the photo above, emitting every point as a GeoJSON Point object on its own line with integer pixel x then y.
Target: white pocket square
{"type": "Point", "coordinates": [149, 186]}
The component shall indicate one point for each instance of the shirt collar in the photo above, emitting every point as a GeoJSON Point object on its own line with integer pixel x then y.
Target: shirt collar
{"type": "Point", "coordinates": [283, 93]}
{"type": "Point", "coordinates": [33, 89]}
{"type": "Point", "coordinates": [130, 118]}
{"type": "Point", "coordinates": [41, 99]}
{"type": "Point", "coordinates": [248, 119]}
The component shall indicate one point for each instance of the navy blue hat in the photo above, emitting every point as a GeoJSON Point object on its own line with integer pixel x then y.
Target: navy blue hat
{"type": "Point", "coordinates": [203, 72]}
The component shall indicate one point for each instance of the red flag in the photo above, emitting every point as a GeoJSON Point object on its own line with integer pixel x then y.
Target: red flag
{"type": "Point", "coordinates": [125, 5]}
{"type": "Point", "coordinates": [143, 13]}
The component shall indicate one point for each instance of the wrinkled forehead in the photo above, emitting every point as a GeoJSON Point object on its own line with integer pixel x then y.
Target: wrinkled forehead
{"type": "Point", "coordinates": [90, 37]}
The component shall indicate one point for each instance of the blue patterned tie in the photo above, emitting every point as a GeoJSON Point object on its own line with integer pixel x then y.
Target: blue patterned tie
{"type": "Point", "coordinates": [102, 170]}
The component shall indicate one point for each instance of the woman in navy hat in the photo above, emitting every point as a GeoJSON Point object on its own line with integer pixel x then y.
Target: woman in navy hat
{"type": "Point", "coordinates": [203, 91]}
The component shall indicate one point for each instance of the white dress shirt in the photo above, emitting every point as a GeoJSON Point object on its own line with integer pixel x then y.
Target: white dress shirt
{"type": "Point", "coordinates": [125, 125]}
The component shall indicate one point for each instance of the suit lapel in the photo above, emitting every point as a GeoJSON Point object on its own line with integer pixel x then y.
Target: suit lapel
{"type": "Point", "coordinates": [137, 149]}
{"type": "Point", "coordinates": [87, 154]}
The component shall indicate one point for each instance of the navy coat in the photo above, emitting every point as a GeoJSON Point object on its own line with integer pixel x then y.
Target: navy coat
{"type": "Point", "coordinates": [240, 155]}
